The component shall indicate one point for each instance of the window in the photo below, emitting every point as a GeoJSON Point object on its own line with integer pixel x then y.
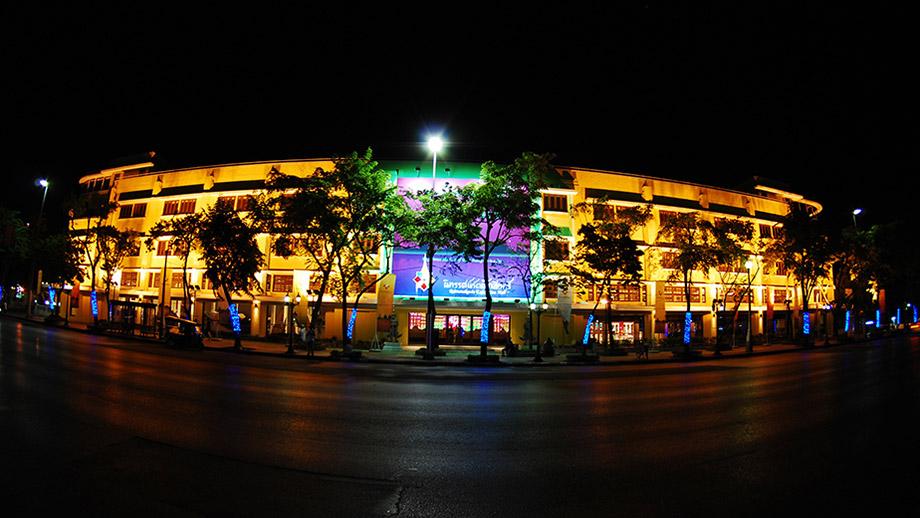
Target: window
{"type": "Point", "coordinates": [677, 294]}
{"type": "Point", "coordinates": [128, 279]}
{"type": "Point", "coordinates": [766, 231]}
{"type": "Point", "coordinates": [555, 203]}
{"type": "Point", "coordinates": [137, 210]}
{"type": "Point", "coordinates": [242, 203]}
{"type": "Point", "coordinates": [779, 267]}
{"type": "Point", "coordinates": [742, 295]}
{"type": "Point", "coordinates": [778, 232]}
{"type": "Point", "coordinates": [666, 218]}
{"type": "Point", "coordinates": [176, 281]}
{"type": "Point", "coordinates": [171, 207]}
{"type": "Point", "coordinates": [556, 249]}
{"type": "Point", "coordinates": [226, 201]}
{"type": "Point", "coordinates": [550, 290]}
{"type": "Point", "coordinates": [604, 212]}
{"type": "Point", "coordinates": [153, 280]}
{"type": "Point", "coordinates": [780, 296]}
{"type": "Point", "coordinates": [618, 293]}
{"type": "Point", "coordinates": [163, 247]}
{"type": "Point", "coordinates": [283, 283]}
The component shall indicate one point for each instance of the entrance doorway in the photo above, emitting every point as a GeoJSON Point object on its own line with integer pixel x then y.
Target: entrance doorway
{"type": "Point", "coordinates": [455, 329]}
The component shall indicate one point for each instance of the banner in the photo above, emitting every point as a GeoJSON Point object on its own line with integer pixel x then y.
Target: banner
{"type": "Point", "coordinates": [458, 280]}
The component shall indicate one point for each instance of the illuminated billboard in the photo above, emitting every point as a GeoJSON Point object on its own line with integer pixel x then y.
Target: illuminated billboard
{"type": "Point", "coordinates": [458, 280]}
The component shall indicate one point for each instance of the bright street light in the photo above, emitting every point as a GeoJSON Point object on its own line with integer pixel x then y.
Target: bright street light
{"type": "Point", "coordinates": [435, 145]}
{"type": "Point", "coordinates": [856, 212]}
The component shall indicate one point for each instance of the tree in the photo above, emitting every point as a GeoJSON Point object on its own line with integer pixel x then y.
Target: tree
{"type": "Point", "coordinates": [735, 244]}
{"type": "Point", "coordinates": [232, 257]}
{"type": "Point", "coordinates": [114, 246]}
{"type": "Point", "coordinates": [92, 210]}
{"type": "Point", "coordinates": [696, 250]}
{"type": "Point", "coordinates": [184, 234]}
{"type": "Point", "coordinates": [805, 249]}
{"type": "Point", "coordinates": [59, 258]}
{"type": "Point", "coordinates": [533, 272]}
{"type": "Point", "coordinates": [14, 246]}
{"type": "Point", "coordinates": [606, 255]}
{"type": "Point", "coordinates": [439, 221]}
{"type": "Point", "coordinates": [507, 206]}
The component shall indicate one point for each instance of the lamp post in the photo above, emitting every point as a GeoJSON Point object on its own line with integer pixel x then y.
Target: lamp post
{"type": "Point", "coordinates": [435, 144]}
{"type": "Point", "coordinates": [164, 239]}
{"type": "Point", "coordinates": [290, 327]}
{"type": "Point", "coordinates": [856, 212]}
{"type": "Point", "coordinates": [36, 287]}
{"type": "Point", "coordinates": [539, 309]}
{"type": "Point", "coordinates": [748, 347]}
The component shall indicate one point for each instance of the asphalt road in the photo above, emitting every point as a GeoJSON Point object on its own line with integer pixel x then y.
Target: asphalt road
{"type": "Point", "coordinates": [104, 426]}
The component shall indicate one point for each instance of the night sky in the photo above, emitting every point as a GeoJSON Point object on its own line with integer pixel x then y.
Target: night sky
{"type": "Point", "coordinates": [823, 99]}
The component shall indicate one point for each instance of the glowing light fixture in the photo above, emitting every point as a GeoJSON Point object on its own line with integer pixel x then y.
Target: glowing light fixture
{"type": "Point", "coordinates": [688, 322]}
{"type": "Point", "coordinates": [806, 323]}
{"type": "Point", "coordinates": [846, 322]}
{"type": "Point", "coordinates": [351, 322]}
{"type": "Point", "coordinates": [235, 318]}
{"type": "Point", "coordinates": [435, 145]}
{"type": "Point", "coordinates": [484, 332]}
{"type": "Point", "coordinates": [588, 329]}
{"type": "Point", "coordinates": [857, 212]}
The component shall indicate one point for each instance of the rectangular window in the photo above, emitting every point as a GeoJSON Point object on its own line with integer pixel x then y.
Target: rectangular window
{"type": "Point", "coordinates": [555, 203]}
{"type": "Point", "coordinates": [604, 212]}
{"type": "Point", "coordinates": [153, 280]}
{"type": "Point", "coordinates": [187, 206]}
{"type": "Point", "coordinates": [171, 207]}
{"type": "Point", "coordinates": [556, 249]}
{"type": "Point", "coordinates": [226, 201]}
{"type": "Point", "coordinates": [124, 211]}
{"type": "Point", "coordinates": [781, 295]}
{"type": "Point", "coordinates": [779, 267]}
{"type": "Point", "coordinates": [665, 218]}
{"type": "Point", "coordinates": [550, 290]}
{"type": "Point", "coordinates": [128, 279]}
{"type": "Point", "coordinates": [283, 283]}
{"type": "Point", "coordinates": [176, 281]}
{"type": "Point", "coordinates": [140, 210]}
{"type": "Point", "coordinates": [242, 203]}
{"type": "Point", "coordinates": [163, 247]}
{"type": "Point", "coordinates": [669, 260]}
{"type": "Point", "coordinates": [673, 293]}
{"type": "Point", "coordinates": [766, 231]}
{"type": "Point", "coordinates": [778, 232]}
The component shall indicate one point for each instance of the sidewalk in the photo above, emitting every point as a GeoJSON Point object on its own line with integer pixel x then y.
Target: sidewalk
{"type": "Point", "coordinates": [455, 356]}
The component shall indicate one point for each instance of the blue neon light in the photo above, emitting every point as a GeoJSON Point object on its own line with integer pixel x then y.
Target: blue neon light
{"type": "Point", "coordinates": [588, 329]}
{"type": "Point", "coordinates": [915, 313]}
{"type": "Point", "coordinates": [846, 323]}
{"type": "Point", "coordinates": [235, 318]}
{"type": "Point", "coordinates": [898, 321]}
{"type": "Point", "coordinates": [688, 323]}
{"type": "Point", "coordinates": [806, 323]}
{"type": "Point", "coordinates": [870, 322]}
{"type": "Point", "coordinates": [51, 297]}
{"type": "Point", "coordinates": [351, 322]}
{"type": "Point", "coordinates": [484, 332]}
{"type": "Point", "coordinates": [1, 292]}
{"type": "Point", "coordinates": [94, 303]}
{"type": "Point", "coordinates": [878, 316]}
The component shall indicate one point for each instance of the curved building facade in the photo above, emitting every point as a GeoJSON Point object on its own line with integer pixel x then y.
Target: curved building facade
{"type": "Point", "coordinates": [655, 308]}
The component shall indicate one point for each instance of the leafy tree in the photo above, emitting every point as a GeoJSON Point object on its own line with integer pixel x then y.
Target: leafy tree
{"type": "Point", "coordinates": [92, 210]}
{"type": "Point", "coordinates": [114, 246]}
{"type": "Point", "coordinates": [439, 221]}
{"type": "Point", "coordinates": [184, 232]}
{"type": "Point", "coordinates": [697, 249]}
{"type": "Point", "coordinates": [532, 273]}
{"type": "Point", "coordinates": [806, 250]}
{"type": "Point", "coordinates": [14, 245]}
{"type": "Point", "coordinates": [507, 206]}
{"type": "Point", "coordinates": [232, 257]}
{"type": "Point", "coordinates": [59, 258]}
{"type": "Point", "coordinates": [735, 244]}
{"type": "Point", "coordinates": [606, 256]}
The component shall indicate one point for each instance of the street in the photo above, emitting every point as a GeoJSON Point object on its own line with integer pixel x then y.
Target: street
{"type": "Point", "coordinates": [113, 427]}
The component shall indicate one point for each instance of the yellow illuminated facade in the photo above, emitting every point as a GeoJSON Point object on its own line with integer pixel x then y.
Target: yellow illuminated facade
{"type": "Point", "coordinates": [654, 309]}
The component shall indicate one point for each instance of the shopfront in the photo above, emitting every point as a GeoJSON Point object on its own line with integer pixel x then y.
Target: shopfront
{"type": "Point", "coordinates": [459, 329]}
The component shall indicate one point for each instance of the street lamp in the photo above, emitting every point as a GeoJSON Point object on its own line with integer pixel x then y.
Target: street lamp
{"type": "Point", "coordinates": [856, 212]}
{"type": "Point", "coordinates": [163, 239]}
{"type": "Point", "coordinates": [539, 309]}
{"type": "Point", "coordinates": [290, 320]}
{"type": "Point", "coordinates": [41, 182]}
{"type": "Point", "coordinates": [749, 264]}
{"type": "Point", "coordinates": [435, 144]}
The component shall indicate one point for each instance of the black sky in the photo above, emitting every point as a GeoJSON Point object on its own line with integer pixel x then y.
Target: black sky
{"type": "Point", "coordinates": [822, 98]}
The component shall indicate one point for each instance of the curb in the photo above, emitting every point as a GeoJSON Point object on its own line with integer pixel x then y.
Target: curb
{"type": "Point", "coordinates": [441, 363]}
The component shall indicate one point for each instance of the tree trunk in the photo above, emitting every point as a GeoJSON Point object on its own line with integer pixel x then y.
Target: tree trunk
{"type": "Point", "coordinates": [483, 346]}
{"type": "Point", "coordinates": [687, 274]}
{"type": "Point", "coordinates": [344, 315]}
{"type": "Point", "coordinates": [316, 311]}
{"type": "Point", "coordinates": [429, 325]}
{"type": "Point", "coordinates": [186, 301]}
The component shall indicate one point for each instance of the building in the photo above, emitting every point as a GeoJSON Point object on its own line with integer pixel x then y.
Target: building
{"type": "Point", "coordinates": [654, 308]}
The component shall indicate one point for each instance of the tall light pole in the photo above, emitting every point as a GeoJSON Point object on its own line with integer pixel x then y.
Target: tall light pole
{"type": "Point", "coordinates": [749, 264]}
{"type": "Point", "coordinates": [165, 240]}
{"type": "Point", "coordinates": [36, 288]}
{"type": "Point", "coordinates": [856, 212]}
{"type": "Point", "coordinates": [435, 145]}
{"type": "Point", "coordinates": [539, 309]}
{"type": "Point", "coordinates": [290, 320]}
